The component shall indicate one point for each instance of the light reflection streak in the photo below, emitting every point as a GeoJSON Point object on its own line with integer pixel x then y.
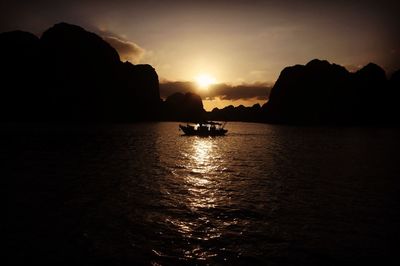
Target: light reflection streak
{"type": "Point", "coordinates": [201, 180]}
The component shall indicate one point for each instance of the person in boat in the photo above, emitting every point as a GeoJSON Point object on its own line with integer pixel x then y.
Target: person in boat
{"type": "Point", "coordinates": [202, 127]}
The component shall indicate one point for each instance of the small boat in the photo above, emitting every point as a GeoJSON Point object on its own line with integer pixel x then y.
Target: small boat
{"type": "Point", "coordinates": [208, 128]}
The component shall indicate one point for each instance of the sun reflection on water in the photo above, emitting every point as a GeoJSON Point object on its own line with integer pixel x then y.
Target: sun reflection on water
{"type": "Point", "coordinates": [202, 152]}
{"type": "Point", "coordinates": [201, 185]}
{"type": "Point", "coordinates": [201, 181]}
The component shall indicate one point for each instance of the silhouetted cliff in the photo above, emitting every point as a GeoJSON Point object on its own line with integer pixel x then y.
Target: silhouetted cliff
{"type": "Point", "coordinates": [183, 107]}
{"type": "Point", "coordinates": [19, 75]}
{"type": "Point", "coordinates": [324, 93]}
{"type": "Point", "coordinates": [70, 74]}
{"type": "Point", "coordinates": [239, 113]}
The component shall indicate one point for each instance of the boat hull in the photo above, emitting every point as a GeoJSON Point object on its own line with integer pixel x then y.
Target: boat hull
{"type": "Point", "coordinates": [192, 131]}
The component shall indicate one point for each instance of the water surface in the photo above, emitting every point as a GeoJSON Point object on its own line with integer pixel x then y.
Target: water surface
{"type": "Point", "coordinates": [145, 194]}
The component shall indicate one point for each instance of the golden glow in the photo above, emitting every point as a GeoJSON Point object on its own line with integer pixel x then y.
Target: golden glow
{"type": "Point", "coordinates": [204, 81]}
{"type": "Point", "coordinates": [202, 166]}
{"type": "Point", "coordinates": [202, 159]}
{"type": "Point", "coordinates": [217, 102]}
{"type": "Point", "coordinates": [199, 185]}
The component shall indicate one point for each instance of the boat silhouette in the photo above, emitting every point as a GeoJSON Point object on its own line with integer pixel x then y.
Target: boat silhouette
{"type": "Point", "coordinates": [208, 128]}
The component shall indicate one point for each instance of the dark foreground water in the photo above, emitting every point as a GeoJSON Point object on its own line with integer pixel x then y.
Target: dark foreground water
{"type": "Point", "coordinates": [143, 194]}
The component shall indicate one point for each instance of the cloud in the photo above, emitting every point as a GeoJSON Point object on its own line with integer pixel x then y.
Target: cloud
{"type": "Point", "coordinates": [223, 91]}
{"type": "Point", "coordinates": [128, 51]}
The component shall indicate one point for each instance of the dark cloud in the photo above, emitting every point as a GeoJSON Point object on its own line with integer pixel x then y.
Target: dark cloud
{"type": "Point", "coordinates": [242, 91]}
{"type": "Point", "coordinates": [128, 51]}
{"type": "Point", "coordinates": [224, 91]}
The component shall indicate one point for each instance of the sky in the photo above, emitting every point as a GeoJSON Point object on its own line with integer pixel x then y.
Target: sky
{"type": "Point", "coordinates": [240, 45]}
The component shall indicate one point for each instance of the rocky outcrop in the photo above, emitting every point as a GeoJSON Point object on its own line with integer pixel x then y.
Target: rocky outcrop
{"type": "Point", "coordinates": [19, 75]}
{"type": "Point", "coordinates": [183, 107]}
{"type": "Point", "coordinates": [138, 91]}
{"type": "Point", "coordinates": [239, 113]}
{"type": "Point", "coordinates": [70, 74]}
{"type": "Point", "coordinates": [324, 93]}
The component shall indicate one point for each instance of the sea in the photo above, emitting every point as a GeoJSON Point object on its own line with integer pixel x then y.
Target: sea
{"type": "Point", "coordinates": [144, 194]}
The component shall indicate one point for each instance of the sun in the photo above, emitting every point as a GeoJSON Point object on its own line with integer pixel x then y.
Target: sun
{"type": "Point", "coordinates": [205, 80]}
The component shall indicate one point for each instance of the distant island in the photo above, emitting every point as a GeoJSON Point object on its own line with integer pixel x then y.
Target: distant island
{"type": "Point", "coordinates": [320, 93]}
{"type": "Point", "coordinates": [324, 93]}
{"type": "Point", "coordinates": [72, 75]}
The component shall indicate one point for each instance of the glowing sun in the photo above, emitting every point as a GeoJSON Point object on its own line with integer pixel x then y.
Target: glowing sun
{"type": "Point", "coordinates": [204, 80]}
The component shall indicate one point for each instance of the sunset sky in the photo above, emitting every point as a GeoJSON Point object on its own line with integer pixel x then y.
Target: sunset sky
{"type": "Point", "coordinates": [240, 45]}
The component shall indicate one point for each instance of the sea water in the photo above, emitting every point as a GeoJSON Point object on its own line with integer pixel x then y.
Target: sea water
{"type": "Point", "coordinates": [145, 194]}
